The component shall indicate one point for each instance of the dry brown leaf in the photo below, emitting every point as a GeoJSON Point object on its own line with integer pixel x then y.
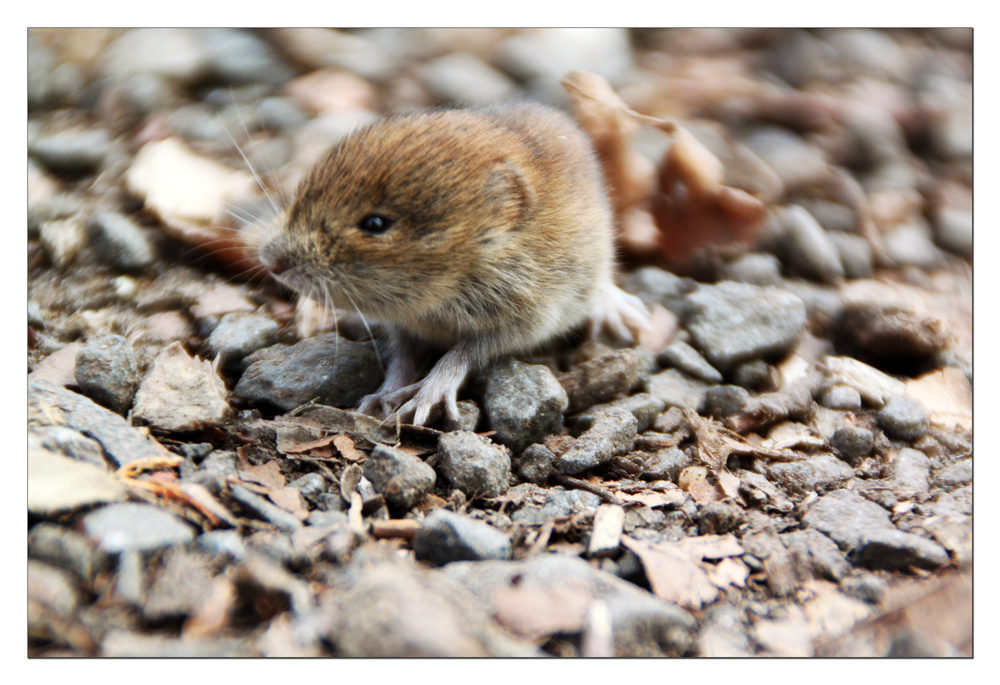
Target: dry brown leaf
{"type": "Point", "coordinates": [290, 500]}
{"type": "Point", "coordinates": [729, 483]}
{"type": "Point", "coordinates": [673, 574]}
{"type": "Point", "coordinates": [702, 491]}
{"type": "Point", "coordinates": [310, 446]}
{"type": "Point", "coordinates": [711, 546]}
{"type": "Point", "coordinates": [267, 474]}
{"type": "Point", "coordinates": [345, 443]}
{"type": "Point", "coordinates": [652, 499]}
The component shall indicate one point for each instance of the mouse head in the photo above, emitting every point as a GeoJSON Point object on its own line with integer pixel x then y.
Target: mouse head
{"type": "Point", "coordinates": [393, 218]}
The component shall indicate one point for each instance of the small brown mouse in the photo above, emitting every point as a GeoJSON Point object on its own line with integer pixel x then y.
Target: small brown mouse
{"type": "Point", "coordinates": [482, 232]}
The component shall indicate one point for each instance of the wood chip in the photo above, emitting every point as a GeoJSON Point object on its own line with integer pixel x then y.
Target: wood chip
{"type": "Point", "coordinates": [606, 535]}
{"type": "Point", "coordinates": [395, 528]}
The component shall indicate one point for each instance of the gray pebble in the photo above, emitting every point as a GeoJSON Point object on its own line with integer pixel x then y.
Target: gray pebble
{"type": "Point", "coordinates": [956, 474]}
{"type": "Point", "coordinates": [820, 473]}
{"type": "Point", "coordinates": [841, 397]}
{"type": "Point", "coordinates": [523, 403]}
{"type": "Point", "coordinates": [796, 162]}
{"type": "Point", "coordinates": [326, 368]}
{"type": "Point", "coordinates": [446, 537]}
{"type": "Point", "coordinates": [326, 519]}
{"type": "Point", "coordinates": [810, 250]}
{"type": "Point", "coordinates": [888, 331]}
{"type": "Point", "coordinates": [891, 549]}
{"type": "Point", "coordinates": [643, 406]}
{"type": "Point", "coordinates": [535, 464]}
{"type": "Point", "coordinates": [66, 441]}
{"type": "Point", "coordinates": [121, 242]}
{"type": "Point", "coordinates": [754, 375]}
{"type": "Point", "coordinates": [68, 549]}
{"type": "Point", "coordinates": [239, 334]}
{"type": "Point", "coordinates": [912, 244]}
{"type": "Point", "coordinates": [910, 473]}
{"type": "Point", "coordinates": [866, 587]}
{"type": "Point", "coordinates": [466, 79]}
{"type": "Point", "coordinates": [736, 322]}
{"type": "Point", "coordinates": [756, 268]}
{"type": "Point", "coordinates": [853, 443]}
{"type": "Point", "coordinates": [178, 54]}
{"type": "Point", "coordinates": [401, 477]}
{"type": "Point", "coordinates": [559, 503]}
{"type": "Point", "coordinates": [953, 230]}
{"type": "Point", "coordinates": [601, 379]}
{"type": "Point", "coordinates": [821, 553]}
{"type": "Point", "coordinates": [904, 418]}
{"type": "Point", "coordinates": [469, 415]}
{"type": "Point", "coordinates": [665, 464]}
{"type": "Point", "coordinates": [832, 216]}
{"type": "Point", "coordinates": [238, 56]}
{"type": "Point", "coordinates": [281, 114]}
{"type": "Point", "coordinates": [676, 389]}
{"type": "Point", "coordinates": [684, 357]}
{"type": "Point", "coordinates": [474, 465]}
{"type": "Point", "coordinates": [653, 285]}
{"type": "Point", "coordinates": [106, 371]}
{"type": "Point", "coordinates": [725, 400]}
{"type": "Point", "coordinates": [74, 152]}
{"type": "Point", "coordinates": [310, 485]}
{"type": "Point", "coordinates": [135, 527]}
{"type": "Point", "coordinates": [855, 254]}
{"type": "Point", "coordinates": [611, 434]}
{"type": "Point", "coordinates": [717, 518]}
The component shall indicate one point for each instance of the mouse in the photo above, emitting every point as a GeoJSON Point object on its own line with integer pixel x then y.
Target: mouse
{"type": "Point", "coordinates": [481, 233]}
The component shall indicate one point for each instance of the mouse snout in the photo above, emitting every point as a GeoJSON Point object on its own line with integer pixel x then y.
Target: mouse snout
{"type": "Point", "coordinates": [274, 259]}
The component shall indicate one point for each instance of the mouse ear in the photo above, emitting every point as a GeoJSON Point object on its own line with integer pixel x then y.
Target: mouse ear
{"type": "Point", "coordinates": [507, 181]}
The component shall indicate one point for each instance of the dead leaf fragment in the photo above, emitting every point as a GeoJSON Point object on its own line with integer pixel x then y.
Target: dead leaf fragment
{"type": "Point", "coordinates": [946, 393]}
{"type": "Point", "coordinates": [673, 574]}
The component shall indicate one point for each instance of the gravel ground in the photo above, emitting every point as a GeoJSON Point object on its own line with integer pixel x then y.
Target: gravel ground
{"type": "Point", "coordinates": [782, 467]}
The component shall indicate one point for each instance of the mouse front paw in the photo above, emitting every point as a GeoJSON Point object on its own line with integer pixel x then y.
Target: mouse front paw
{"type": "Point", "coordinates": [618, 311]}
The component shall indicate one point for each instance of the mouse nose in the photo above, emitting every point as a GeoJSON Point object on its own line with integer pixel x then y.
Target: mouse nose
{"type": "Point", "coordinates": [274, 261]}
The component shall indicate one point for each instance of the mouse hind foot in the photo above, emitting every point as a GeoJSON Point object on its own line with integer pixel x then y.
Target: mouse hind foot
{"type": "Point", "coordinates": [619, 312]}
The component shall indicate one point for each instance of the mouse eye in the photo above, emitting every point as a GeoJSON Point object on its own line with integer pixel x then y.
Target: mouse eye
{"type": "Point", "coordinates": [375, 224]}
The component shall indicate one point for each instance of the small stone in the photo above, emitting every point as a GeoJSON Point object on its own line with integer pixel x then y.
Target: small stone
{"type": "Point", "coordinates": [239, 56]}
{"type": "Point", "coordinates": [820, 473]}
{"type": "Point", "coordinates": [718, 518]}
{"type": "Point", "coordinates": [446, 537]}
{"type": "Point", "coordinates": [904, 418]}
{"type": "Point", "coordinates": [956, 474]}
{"type": "Point", "coordinates": [684, 357]}
{"type": "Point", "coordinates": [474, 465]}
{"type": "Point", "coordinates": [912, 244]}
{"type": "Point", "coordinates": [523, 403]}
{"type": "Point", "coordinates": [327, 368]}
{"type": "Point", "coordinates": [181, 393]}
{"type": "Point", "coordinates": [611, 434]}
{"type": "Point", "coordinates": [675, 389]}
{"type": "Point", "coordinates": [121, 242]}
{"type": "Point", "coordinates": [106, 371]}
{"type": "Point", "coordinates": [665, 464]}
{"type": "Point", "coordinates": [135, 527]}
{"type": "Point", "coordinates": [535, 464]}
{"type": "Point", "coordinates": [51, 588]}
{"type": "Point", "coordinates": [810, 250]}
{"type": "Point", "coordinates": [643, 406]}
{"type": "Point", "coordinates": [953, 230]}
{"type": "Point", "coordinates": [725, 400]}
{"type": "Point", "coordinates": [68, 442]}
{"type": "Point", "coordinates": [910, 473]}
{"type": "Point", "coordinates": [469, 415]}
{"type": "Point", "coordinates": [464, 78]}
{"type": "Point", "coordinates": [841, 397]}
{"type": "Point", "coordinates": [69, 549]}
{"type": "Point", "coordinates": [891, 549]}
{"type": "Point", "coordinates": [866, 587]}
{"type": "Point", "coordinates": [797, 163]}
{"type": "Point", "coordinates": [181, 587]}
{"type": "Point", "coordinates": [403, 478]}
{"type": "Point", "coordinates": [239, 334]}
{"type": "Point", "coordinates": [853, 443]}
{"type": "Point", "coordinates": [558, 503]}
{"type": "Point", "coordinates": [73, 152]}
{"type": "Point", "coordinates": [887, 331]}
{"type": "Point", "coordinates": [754, 375]}
{"type": "Point", "coordinates": [855, 254]}
{"type": "Point", "coordinates": [736, 322]}
{"type": "Point", "coordinates": [281, 114]}
{"type": "Point", "coordinates": [218, 542]}
{"type": "Point", "coordinates": [601, 379]}
{"type": "Point", "coordinates": [845, 517]}
{"type": "Point", "coordinates": [820, 553]}
{"type": "Point", "coordinates": [653, 285]}
{"type": "Point", "coordinates": [174, 53]}
{"type": "Point", "coordinates": [756, 268]}
{"type": "Point", "coordinates": [63, 239]}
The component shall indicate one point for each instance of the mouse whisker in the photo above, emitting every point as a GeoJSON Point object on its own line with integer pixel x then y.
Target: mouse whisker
{"type": "Point", "coordinates": [364, 322]}
{"type": "Point", "coordinates": [246, 161]}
